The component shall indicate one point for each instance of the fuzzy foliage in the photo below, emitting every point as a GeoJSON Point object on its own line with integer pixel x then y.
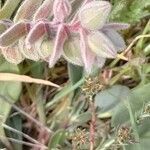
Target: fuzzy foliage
{"type": "Point", "coordinates": [130, 11]}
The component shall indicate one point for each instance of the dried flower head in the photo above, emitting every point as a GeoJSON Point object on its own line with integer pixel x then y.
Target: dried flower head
{"type": "Point", "coordinates": [79, 138]}
{"type": "Point", "coordinates": [125, 135]}
{"type": "Point", "coordinates": [46, 30]}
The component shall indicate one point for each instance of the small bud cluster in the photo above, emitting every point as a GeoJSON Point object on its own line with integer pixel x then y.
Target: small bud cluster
{"type": "Point", "coordinates": [46, 30]}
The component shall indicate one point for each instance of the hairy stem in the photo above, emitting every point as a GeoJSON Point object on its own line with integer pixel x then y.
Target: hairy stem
{"type": "Point", "coordinates": [92, 124]}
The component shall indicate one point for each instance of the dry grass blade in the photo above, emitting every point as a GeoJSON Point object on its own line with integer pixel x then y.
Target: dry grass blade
{"type": "Point", "coordinates": [24, 78]}
{"type": "Point", "coordinates": [135, 40]}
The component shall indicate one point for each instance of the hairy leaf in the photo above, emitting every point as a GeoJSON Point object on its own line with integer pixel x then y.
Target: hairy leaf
{"type": "Point", "coordinates": [87, 55]}
{"type": "Point", "coordinates": [12, 54]}
{"type": "Point", "coordinates": [101, 45]}
{"type": "Point", "coordinates": [45, 48]}
{"type": "Point", "coordinates": [35, 34]}
{"type": "Point", "coordinates": [72, 51]}
{"type": "Point", "coordinates": [94, 15]}
{"type": "Point", "coordinates": [44, 11]}
{"type": "Point", "coordinates": [116, 39]}
{"type": "Point", "coordinates": [29, 53]}
{"type": "Point", "coordinates": [14, 33]}
{"type": "Point", "coordinates": [58, 45]}
{"type": "Point", "coordinates": [27, 10]}
{"type": "Point", "coordinates": [61, 9]}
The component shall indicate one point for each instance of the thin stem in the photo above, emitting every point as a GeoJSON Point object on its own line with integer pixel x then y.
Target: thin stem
{"type": "Point", "coordinates": [9, 101]}
{"type": "Point", "coordinates": [21, 133]}
{"type": "Point", "coordinates": [128, 48]}
{"type": "Point", "coordinates": [146, 30]}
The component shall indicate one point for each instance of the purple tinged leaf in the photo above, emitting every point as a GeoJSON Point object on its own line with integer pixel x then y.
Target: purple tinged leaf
{"type": "Point", "coordinates": [5, 24]}
{"type": "Point", "coordinates": [87, 55]}
{"type": "Point", "coordinates": [101, 45]}
{"type": "Point", "coordinates": [37, 32]}
{"type": "Point", "coordinates": [94, 14]}
{"type": "Point", "coordinates": [116, 38]}
{"type": "Point", "coordinates": [29, 53]}
{"type": "Point", "coordinates": [58, 45]}
{"type": "Point", "coordinates": [117, 26]}
{"type": "Point", "coordinates": [12, 54]}
{"type": "Point", "coordinates": [72, 52]}
{"type": "Point", "coordinates": [14, 33]}
{"type": "Point", "coordinates": [27, 10]}
{"type": "Point", "coordinates": [61, 10]}
{"type": "Point", "coordinates": [44, 11]}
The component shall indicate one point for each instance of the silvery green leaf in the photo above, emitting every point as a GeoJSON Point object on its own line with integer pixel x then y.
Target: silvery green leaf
{"type": "Point", "coordinates": [61, 9]}
{"type": "Point", "coordinates": [12, 54]}
{"type": "Point", "coordinates": [27, 10]}
{"type": "Point", "coordinates": [45, 48]}
{"type": "Point", "coordinates": [61, 36]}
{"type": "Point", "coordinates": [44, 11]}
{"type": "Point", "coordinates": [94, 14]}
{"type": "Point", "coordinates": [116, 38]}
{"type": "Point", "coordinates": [87, 55]}
{"type": "Point", "coordinates": [29, 53]}
{"type": "Point", "coordinates": [100, 61]}
{"type": "Point", "coordinates": [117, 26]}
{"type": "Point", "coordinates": [13, 34]}
{"type": "Point", "coordinates": [72, 51]}
{"type": "Point", "coordinates": [101, 45]}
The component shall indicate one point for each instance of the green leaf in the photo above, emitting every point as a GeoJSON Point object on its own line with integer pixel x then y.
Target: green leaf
{"type": "Point", "coordinates": [16, 123]}
{"type": "Point", "coordinates": [9, 7]}
{"type": "Point", "coordinates": [9, 89]}
{"type": "Point", "coordinates": [75, 73]}
{"type": "Point", "coordinates": [57, 139]}
{"type": "Point", "coordinates": [72, 51]}
{"type": "Point", "coordinates": [110, 99]}
{"type": "Point", "coordinates": [144, 144]}
{"type": "Point", "coordinates": [138, 97]}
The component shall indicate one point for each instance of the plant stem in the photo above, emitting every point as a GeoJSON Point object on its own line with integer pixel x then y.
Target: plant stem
{"type": "Point", "coordinates": [92, 124]}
